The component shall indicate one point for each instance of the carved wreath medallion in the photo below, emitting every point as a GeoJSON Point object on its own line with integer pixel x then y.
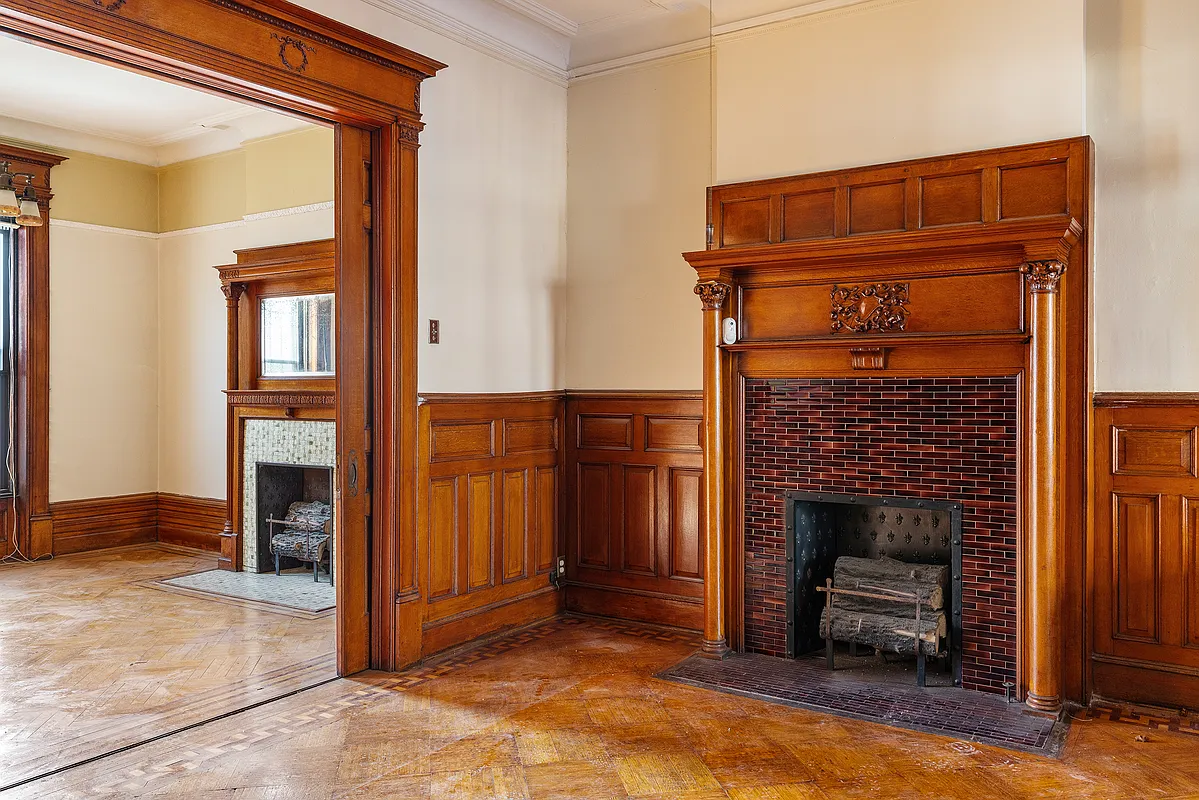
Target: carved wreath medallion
{"type": "Point", "coordinates": [874, 308]}
{"type": "Point", "coordinates": [293, 53]}
{"type": "Point", "coordinates": [115, 5]}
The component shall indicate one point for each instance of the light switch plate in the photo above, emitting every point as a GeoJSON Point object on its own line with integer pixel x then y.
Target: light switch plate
{"type": "Point", "coordinates": [434, 331]}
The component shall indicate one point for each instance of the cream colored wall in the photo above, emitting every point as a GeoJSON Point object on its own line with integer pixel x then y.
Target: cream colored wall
{"type": "Point", "coordinates": [103, 363]}
{"type": "Point", "coordinates": [191, 344]}
{"type": "Point", "coordinates": [889, 80]}
{"type": "Point", "coordinates": [1143, 113]}
{"type": "Point", "coordinates": [639, 163]}
{"type": "Point", "coordinates": [492, 205]}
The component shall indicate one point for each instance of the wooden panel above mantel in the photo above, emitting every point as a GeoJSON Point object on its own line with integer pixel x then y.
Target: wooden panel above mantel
{"type": "Point", "coordinates": [999, 186]}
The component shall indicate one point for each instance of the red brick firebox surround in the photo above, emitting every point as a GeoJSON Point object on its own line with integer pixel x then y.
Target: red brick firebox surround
{"type": "Point", "coordinates": [950, 439]}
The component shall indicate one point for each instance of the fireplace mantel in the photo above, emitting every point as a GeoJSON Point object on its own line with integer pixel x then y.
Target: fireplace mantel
{"type": "Point", "coordinates": [969, 265]}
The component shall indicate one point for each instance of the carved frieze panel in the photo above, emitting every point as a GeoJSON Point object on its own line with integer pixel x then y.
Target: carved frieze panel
{"type": "Point", "coordinates": [871, 308]}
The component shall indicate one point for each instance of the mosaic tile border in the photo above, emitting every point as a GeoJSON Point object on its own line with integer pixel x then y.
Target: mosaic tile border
{"type": "Point", "coordinates": [163, 585]}
{"type": "Point", "coordinates": [1152, 718]}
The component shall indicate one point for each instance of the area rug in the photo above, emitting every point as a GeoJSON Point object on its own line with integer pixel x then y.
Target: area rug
{"type": "Point", "coordinates": [291, 590]}
{"type": "Point", "coordinates": [946, 711]}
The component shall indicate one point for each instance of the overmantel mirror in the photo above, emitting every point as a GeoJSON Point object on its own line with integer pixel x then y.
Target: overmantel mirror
{"type": "Point", "coordinates": [296, 336]}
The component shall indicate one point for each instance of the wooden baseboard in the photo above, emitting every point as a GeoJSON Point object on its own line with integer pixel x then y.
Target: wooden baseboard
{"type": "Point", "coordinates": [191, 521]}
{"type": "Point", "coordinates": [102, 523]}
{"type": "Point", "coordinates": [490, 620]}
{"type": "Point", "coordinates": [636, 606]}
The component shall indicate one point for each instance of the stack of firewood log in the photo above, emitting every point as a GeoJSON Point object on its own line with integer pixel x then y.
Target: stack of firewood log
{"type": "Point", "coordinates": [873, 602]}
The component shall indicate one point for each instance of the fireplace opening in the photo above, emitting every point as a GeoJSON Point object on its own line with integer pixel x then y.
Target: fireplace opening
{"type": "Point", "coordinates": [822, 527]}
{"type": "Point", "coordinates": [303, 494]}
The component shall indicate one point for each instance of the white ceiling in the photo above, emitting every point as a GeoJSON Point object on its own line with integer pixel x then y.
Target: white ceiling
{"type": "Point", "coordinates": [605, 30]}
{"type": "Point", "coordinates": [80, 104]}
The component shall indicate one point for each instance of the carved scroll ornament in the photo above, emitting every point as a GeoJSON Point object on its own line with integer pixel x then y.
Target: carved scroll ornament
{"type": "Point", "coordinates": [1043, 276]}
{"type": "Point", "coordinates": [712, 294]}
{"type": "Point", "coordinates": [874, 308]}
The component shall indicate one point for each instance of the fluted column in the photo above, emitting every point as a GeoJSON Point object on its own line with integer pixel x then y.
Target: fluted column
{"type": "Point", "coordinates": [713, 294]}
{"type": "Point", "coordinates": [230, 540]}
{"type": "Point", "coordinates": [1042, 279]}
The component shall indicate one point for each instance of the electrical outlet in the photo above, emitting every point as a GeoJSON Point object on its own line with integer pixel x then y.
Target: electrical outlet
{"type": "Point", "coordinates": [434, 331]}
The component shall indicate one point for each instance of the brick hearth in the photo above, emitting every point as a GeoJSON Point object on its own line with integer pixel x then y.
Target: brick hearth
{"type": "Point", "coordinates": [951, 439]}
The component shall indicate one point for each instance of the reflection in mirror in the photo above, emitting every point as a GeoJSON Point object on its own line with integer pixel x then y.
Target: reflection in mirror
{"type": "Point", "coordinates": [297, 336]}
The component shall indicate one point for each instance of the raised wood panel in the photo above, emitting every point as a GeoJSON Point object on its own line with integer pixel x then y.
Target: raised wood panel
{"type": "Point", "coordinates": [1137, 543]}
{"type": "Point", "coordinates": [746, 222]}
{"type": "Point", "coordinates": [877, 209]}
{"type": "Point", "coordinates": [990, 302]}
{"type": "Point", "coordinates": [516, 524]}
{"type": "Point", "coordinates": [462, 441]}
{"type": "Point", "coordinates": [1145, 631]}
{"type": "Point", "coordinates": [503, 453]}
{"type": "Point", "coordinates": [530, 436]}
{"type": "Point", "coordinates": [1190, 563]}
{"type": "Point", "coordinates": [809, 215]}
{"type": "Point", "coordinates": [545, 485]}
{"type": "Point", "coordinates": [951, 199]}
{"type": "Point", "coordinates": [1038, 190]}
{"type": "Point", "coordinates": [673, 435]}
{"type": "Point", "coordinates": [443, 537]}
{"type": "Point", "coordinates": [638, 525]}
{"type": "Point", "coordinates": [633, 544]}
{"type": "Point", "coordinates": [480, 532]}
{"type": "Point", "coordinates": [593, 514]}
{"type": "Point", "coordinates": [1010, 183]}
{"type": "Point", "coordinates": [1155, 451]}
{"type": "Point", "coordinates": [596, 432]}
{"type": "Point", "coordinates": [686, 541]}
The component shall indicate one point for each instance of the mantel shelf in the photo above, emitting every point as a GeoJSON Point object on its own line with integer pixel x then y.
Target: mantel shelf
{"type": "Point", "coordinates": [282, 398]}
{"type": "Point", "coordinates": [888, 340]}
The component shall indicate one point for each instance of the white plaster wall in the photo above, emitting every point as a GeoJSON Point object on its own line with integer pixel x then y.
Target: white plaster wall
{"type": "Point", "coordinates": [103, 363]}
{"type": "Point", "coordinates": [492, 214]}
{"type": "Point", "coordinates": [1143, 113]}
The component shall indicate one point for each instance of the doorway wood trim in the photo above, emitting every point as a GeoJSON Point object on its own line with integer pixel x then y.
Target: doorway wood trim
{"type": "Point", "coordinates": [279, 56]}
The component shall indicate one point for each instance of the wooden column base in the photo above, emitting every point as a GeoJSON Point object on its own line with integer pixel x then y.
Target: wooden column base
{"type": "Point", "coordinates": [717, 650]}
{"type": "Point", "coordinates": [1045, 705]}
{"type": "Point", "coordinates": [230, 550]}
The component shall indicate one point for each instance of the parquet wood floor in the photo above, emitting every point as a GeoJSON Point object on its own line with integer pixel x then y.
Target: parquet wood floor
{"type": "Point", "coordinates": [92, 659]}
{"type": "Point", "coordinates": [570, 710]}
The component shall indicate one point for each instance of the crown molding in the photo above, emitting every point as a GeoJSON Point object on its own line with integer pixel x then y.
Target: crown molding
{"type": "Point", "coordinates": [543, 16]}
{"type": "Point", "coordinates": [662, 55]}
{"type": "Point", "coordinates": [784, 16]}
{"type": "Point", "coordinates": [529, 53]}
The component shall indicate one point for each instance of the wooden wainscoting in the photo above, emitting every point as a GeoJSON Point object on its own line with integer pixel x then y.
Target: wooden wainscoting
{"type": "Point", "coordinates": [101, 522]}
{"type": "Point", "coordinates": [489, 499]}
{"type": "Point", "coordinates": [191, 521]}
{"type": "Point", "coordinates": [634, 494]}
{"type": "Point", "coordinates": [1146, 549]}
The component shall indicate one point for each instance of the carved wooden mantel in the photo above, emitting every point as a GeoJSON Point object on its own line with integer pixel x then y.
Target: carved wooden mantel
{"type": "Point", "coordinates": [969, 265]}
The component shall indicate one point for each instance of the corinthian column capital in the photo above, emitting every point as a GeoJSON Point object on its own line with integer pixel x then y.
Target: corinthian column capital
{"type": "Point", "coordinates": [712, 294]}
{"type": "Point", "coordinates": [1043, 276]}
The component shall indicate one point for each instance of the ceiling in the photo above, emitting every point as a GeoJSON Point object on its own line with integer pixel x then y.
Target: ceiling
{"type": "Point", "coordinates": [604, 30]}
{"type": "Point", "coordinates": [79, 104]}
